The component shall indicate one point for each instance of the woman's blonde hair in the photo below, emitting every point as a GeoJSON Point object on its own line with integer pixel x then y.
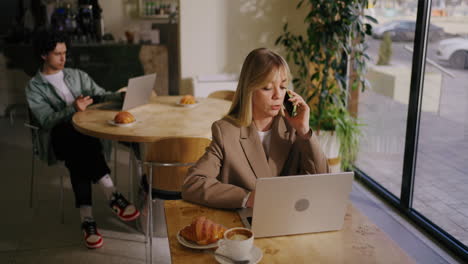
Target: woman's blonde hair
{"type": "Point", "coordinates": [260, 67]}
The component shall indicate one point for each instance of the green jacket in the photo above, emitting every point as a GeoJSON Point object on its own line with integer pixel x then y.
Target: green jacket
{"type": "Point", "coordinates": [48, 108]}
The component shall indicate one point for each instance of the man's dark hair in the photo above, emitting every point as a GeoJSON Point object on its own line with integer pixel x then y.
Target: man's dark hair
{"type": "Point", "coordinates": [46, 41]}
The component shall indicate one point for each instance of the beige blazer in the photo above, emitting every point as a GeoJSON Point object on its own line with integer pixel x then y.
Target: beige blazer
{"type": "Point", "coordinates": [228, 170]}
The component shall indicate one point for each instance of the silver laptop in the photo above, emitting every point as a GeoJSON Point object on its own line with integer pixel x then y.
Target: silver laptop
{"type": "Point", "coordinates": [298, 204]}
{"type": "Point", "coordinates": [138, 93]}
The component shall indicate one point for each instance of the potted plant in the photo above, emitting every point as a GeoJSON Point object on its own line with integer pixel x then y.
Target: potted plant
{"type": "Point", "coordinates": [331, 61]}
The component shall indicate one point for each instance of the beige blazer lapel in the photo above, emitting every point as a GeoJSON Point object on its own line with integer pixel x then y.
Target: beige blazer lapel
{"type": "Point", "coordinates": [279, 146]}
{"type": "Point", "coordinates": [254, 152]}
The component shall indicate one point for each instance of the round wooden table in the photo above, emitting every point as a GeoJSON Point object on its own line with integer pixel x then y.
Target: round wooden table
{"type": "Point", "coordinates": [162, 118]}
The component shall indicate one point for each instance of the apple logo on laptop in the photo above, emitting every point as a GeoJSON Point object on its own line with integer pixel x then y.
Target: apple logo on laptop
{"type": "Point", "coordinates": [301, 205]}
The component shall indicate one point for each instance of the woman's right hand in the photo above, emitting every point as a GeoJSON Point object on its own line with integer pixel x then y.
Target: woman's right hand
{"type": "Point", "coordinates": [300, 122]}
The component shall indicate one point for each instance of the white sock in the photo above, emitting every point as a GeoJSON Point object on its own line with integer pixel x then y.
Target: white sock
{"type": "Point", "coordinates": [107, 186]}
{"type": "Point", "coordinates": [86, 213]}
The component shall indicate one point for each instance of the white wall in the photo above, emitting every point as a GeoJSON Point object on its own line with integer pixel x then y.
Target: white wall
{"type": "Point", "coordinates": [217, 35]}
{"type": "Point", "coordinates": [119, 16]}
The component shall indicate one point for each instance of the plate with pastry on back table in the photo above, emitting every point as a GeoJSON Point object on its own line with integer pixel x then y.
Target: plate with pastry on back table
{"type": "Point", "coordinates": [112, 122]}
{"type": "Point", "coordinates": [202, 233]}
{"type": "Point", "coordinates": [123, 119]}
{"type": "Point", "coordinates": [187, 101]}
{"type": "Point", "coordinates": [188, 105]}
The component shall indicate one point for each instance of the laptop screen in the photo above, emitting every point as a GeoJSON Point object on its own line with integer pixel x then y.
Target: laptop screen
{"type": "Point", "coordinates": [307, 204]}
{"type": "Point", "coordinates": [139, 91]}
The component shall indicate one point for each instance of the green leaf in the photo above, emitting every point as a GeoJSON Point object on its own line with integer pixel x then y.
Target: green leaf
{"type": "Point", "coordinates": [368, 29]}
{"type": "Point", "coordinates": [308, 17]}
{"type": "Point", "coordinates": [278, 40]}
{"type": "Point", "coordinates": [299, 4]}
{"type": "Point", "coordinates": [371, 19]}
{"type": "Point", "coordinates": [315, 76]}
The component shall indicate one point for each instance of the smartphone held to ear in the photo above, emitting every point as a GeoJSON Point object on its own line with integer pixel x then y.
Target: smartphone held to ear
{"type": "Point", "coordinates": [288, 105]}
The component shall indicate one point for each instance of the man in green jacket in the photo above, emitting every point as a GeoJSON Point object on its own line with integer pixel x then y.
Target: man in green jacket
{"type": "Point", "coordinates": [54, 94]}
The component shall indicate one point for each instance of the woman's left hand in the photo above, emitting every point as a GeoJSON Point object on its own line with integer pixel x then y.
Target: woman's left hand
{"type": "Point", "coordinates": [300, 122]}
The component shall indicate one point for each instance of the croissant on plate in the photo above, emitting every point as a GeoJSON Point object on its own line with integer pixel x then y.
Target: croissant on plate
{"type": "Point", "coordinates": [187, 99]}
{"type": "Point", "coordinates": [124, 117]}
{"type": "Point", "coordinates": [203, 231]}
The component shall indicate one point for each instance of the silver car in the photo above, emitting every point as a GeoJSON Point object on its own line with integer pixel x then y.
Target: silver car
{"type": "Point", "coordinates": [403, 30]}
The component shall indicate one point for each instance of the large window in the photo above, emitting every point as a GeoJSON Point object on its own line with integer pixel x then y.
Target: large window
{"type": "Point", "coordinates": [441, 180]}
{"type": "Point", "coordinates": [415, 145]}
{"type": "Point", "coordinates": [383, 108]}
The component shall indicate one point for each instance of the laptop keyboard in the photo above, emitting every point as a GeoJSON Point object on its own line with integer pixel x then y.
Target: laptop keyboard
{"type": "Point", "coordinates": [110, 106]}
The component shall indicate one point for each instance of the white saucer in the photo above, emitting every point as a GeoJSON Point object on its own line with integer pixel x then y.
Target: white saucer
{"type": "Point", "coordinates": [112, 122]}
{"type": "Point", "coordinates": [188, 105]}
{"type": "Point", "coordinates": [256, 255]}
{"type": "Point", "coordinates": [194, 245]}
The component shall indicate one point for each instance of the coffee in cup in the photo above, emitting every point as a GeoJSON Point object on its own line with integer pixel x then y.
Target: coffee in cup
{"type": "Point", "coordinates": [238, 234]}
{"type": "Point", "coordinates": [237, 243]}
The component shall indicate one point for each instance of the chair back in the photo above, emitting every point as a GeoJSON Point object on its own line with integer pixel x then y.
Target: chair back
{"type": "Point", "coordinates": [203, 85]}
{"type": "Point", "coordinates": [224, 94]}
{"type": "Point", "coordinates": [171, 158]}
{"type": "Point", "coordinates": [33, 125]}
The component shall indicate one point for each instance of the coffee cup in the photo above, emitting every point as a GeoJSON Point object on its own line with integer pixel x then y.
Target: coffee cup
{"type": "Point", "coordinates": [237, 243]}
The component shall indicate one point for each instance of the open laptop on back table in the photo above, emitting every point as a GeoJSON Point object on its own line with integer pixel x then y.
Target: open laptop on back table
{"type": "Point", "coordinates": [290, 205]}
{"type": "Point", "coordinates": [138, 93]}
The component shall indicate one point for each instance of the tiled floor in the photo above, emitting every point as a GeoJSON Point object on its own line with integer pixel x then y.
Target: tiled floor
{"type": "Point", "coordinates": [37, 236]}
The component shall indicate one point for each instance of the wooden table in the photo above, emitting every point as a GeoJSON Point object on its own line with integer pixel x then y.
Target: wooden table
{"type": "Point", "coordinates": [160, 119]}
{"type": "Point", "coordinates": [360, 241]}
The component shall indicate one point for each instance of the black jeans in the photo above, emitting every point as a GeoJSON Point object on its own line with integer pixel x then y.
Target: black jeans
{"type": "Point", "coordinates": [83, 158]}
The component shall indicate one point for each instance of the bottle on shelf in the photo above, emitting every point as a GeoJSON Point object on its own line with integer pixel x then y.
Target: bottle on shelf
{"type": "Point", "coordinates": [70, 20]}
{"type": "Point", "coordinates": [148, 11]}
{"type": "Point", "coordinates": [157, 8]}
{"type": "Point", "coordinates": [162, 9]}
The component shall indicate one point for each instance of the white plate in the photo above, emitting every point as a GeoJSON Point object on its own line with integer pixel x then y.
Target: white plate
{"type": "Point", "coordinates": [112, 122]}
{"type": "Point", "coordinates": [188, 105]}
{"type": "Point", "coordinates": [194, 245]}
{"type": "Point", "coordinates": [256, 255]}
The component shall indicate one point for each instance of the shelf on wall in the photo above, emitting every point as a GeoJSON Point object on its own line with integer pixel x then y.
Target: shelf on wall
{"type": "Point", "coordinates": [154, 16]}
{"type": "Point", "coordinates": [169, 6]}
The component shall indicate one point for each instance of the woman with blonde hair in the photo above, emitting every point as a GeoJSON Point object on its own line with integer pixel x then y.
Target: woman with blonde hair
{"type": "Point", "coordinates": [255, 139]}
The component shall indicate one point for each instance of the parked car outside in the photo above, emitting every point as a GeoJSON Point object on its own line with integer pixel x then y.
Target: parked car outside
{"type": "Point", "coordinates": [403, 30]}
{"type": "Point", "coordinates": [454, 51]}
